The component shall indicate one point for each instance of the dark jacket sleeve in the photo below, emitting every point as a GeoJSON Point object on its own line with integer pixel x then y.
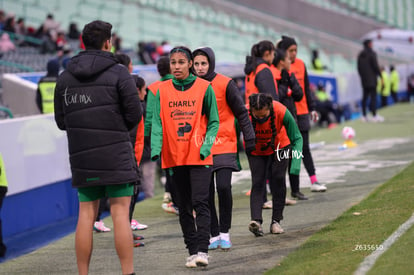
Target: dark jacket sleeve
{"type": "Point", "coordinates": [58, 101]}
{"type": "Point", "coordinates": [265, 83]}
{"type": "Point", "coordinates": [374, 64]}
{"type": "Point", "coordinates": [39, 100]}
{"type": "Point", "coordinates": [309, 100]}
{"type": "Point", "coordinates": [297, 93]}
{"type": "Point", "coordinates": [235, 102]}
{"type": "Point", "coordinates": [131, 105]}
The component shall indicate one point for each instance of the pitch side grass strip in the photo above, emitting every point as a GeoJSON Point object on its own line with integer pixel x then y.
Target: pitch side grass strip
{"type": "Point", "coordinates": [340, 247]}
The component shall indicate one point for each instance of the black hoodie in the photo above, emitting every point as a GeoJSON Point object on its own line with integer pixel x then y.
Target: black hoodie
{"type": "Point", "coordinates": [96, 102]}
{"type": "Point", "coordinates": [264, 80]}
{"type": "Point", "coordinates": [368, 68]}
{"type": "Point", "coordinates": [233, 98]}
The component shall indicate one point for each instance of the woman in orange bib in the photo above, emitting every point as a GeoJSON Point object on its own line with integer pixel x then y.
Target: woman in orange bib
{"type": "Point", "coordinates": [231, 107]}
{"type": "Point", "coordinates": [184, 127]}
{"type": "Point", "coordinates": [259, 77]}
{"type": "Point", "coordinates": [277, 138]}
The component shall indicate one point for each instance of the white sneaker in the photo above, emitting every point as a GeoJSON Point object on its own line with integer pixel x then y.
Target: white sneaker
{"type": "Point", "coordinates": [378, 118]}
{"type": "Point", "coordinates": [317, 187]}
{"type": "Point", "coordinates": [268, 205]}
{"type": "Point", "coordinates": [364, 119]}
{"type": "Point", "coordinates": [135, 225]}
{"type": "Point", "coordinates": [191, 261]}
{"type": "Point", "coordinates": [202, 259]}
{"type": "Point", "coordinates": [275, 228]}
{"type": "Point", "coordinates": [290, 202]}
{"type": "Point", "coordinates": [100, 227]}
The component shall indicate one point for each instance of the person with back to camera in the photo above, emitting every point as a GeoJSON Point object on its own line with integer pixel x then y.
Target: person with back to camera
{"type": "Point", "coordinates": [259, 77]}
{"type": "Point", "coordinates": [184, 126]}
{"type": "Point", "coordinates": [230, 106]}
{"type": "Point", "coordinates": [96, 103]}
{"type": "Point", "coordinates": [305, 111]}
{"type": "Point", "coordinates": [277, 138]}
{"type": "Point", "coordinates": [395, 83]}
{"type": "Point", "coordinates": [369, 71]}
{"type": "Point", "coordinates": [3, 191]}
{"type": "Point", "coordinates": [46, 88]}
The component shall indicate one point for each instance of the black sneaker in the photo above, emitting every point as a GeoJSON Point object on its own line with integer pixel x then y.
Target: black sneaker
{"type": "Point", "coordinates": [256, 228]}
{"type": "Point", "coordinates": [137, 237]}
{"type": "Point", "coordinates": [299, 196]}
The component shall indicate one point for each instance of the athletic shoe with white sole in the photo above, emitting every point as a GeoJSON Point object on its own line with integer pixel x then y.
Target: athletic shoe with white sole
{"type": "Point", "coordinates": [317, 187]}
{"type": "Point", "coordinates": [225, 245]}
{"type": "Point", "coordinates": [135, 225]}
{"type": "Point", "coordinates": [256, 228]}
{"type": "Point", "coordinates": [267, 205]}
{"type": "Point", "coordinates": [191, 261]}
{"type": "Point", "coordinates": [214, 243]}
{"type": "Point", "coordinates": [275, 228]}
{"type": "Point", "coordinates": [202, 259]}
{"type": "Point", "coordinates": [100, 227]}
{"type": "Point", "coordinates": [290, 202]}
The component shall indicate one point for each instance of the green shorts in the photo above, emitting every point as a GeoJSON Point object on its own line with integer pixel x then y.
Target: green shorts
{"type": "Point", "coordinates": [94, 193]}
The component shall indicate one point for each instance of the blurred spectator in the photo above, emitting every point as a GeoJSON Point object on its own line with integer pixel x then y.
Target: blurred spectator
{"type": "Point", "coordinates": [317, 64]}
{"type": "Point", "coordinates": [46, 88]}
{"type": "Point", "coordinates": [143, 53]}
{"type": "Point", "coordinates": [50, 26]}
{"type": "Point", "coordinates": [164, 49]}
{"type": "Point", "coordinates": [2, 19]}
{"type": "Point", "coordinates": [73, 32]}
{"type": "Point", "coordinates": [410, 88]}
{"type": "Point", "coordinates": [384, 86]}
{"type": "Point", "coordinates": [116, 43]}
{"type": "Point", "coordinates": [6, 44]}
{"type": "Point", "coordinates": [64, 56]}
{"type": "Point", "coordinates": [325, 106]}
{"type": "Point", "coordinates": [369, 71]}
{"type": "Point", "coordinates": [395, 83]}
{"type": "Point", "coordinates": [10, 24]}
{"type": "Point", "coordinates": [60, 41]}
{"type": "Point", "coordinates": [21, 27]}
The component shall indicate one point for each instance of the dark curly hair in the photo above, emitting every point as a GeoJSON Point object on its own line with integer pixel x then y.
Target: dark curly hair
{"type": "Point", "coordinates": [258, 102]}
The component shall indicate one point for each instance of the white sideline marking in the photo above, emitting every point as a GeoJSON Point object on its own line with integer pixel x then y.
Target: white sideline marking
{"type": "Point", "coordinates": [370, 260]}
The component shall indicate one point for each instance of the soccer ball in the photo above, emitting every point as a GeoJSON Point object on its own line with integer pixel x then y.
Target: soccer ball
{"type": "Point", "coordinates": [348, 133]}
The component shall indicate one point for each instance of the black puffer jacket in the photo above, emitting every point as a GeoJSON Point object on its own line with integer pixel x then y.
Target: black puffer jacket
{"type": "Point", "coordinates": [264, 80]}
{"type": "Point", "coordinates": [368, 68]}
{"type": "Point", "coordinates": [96, 102]}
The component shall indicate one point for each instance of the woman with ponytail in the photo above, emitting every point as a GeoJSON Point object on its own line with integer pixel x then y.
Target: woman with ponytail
{"type": "Point", "coordinates": [259, 77]}
{"type": "Point", "coordinates": [184, 127]}
{"type": "Point", "coordinates": [277, 139]}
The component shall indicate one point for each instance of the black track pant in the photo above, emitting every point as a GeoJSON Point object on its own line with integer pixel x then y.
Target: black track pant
{"type": "Point", "coordinates": [192, 184]}
{"type": "Point", "coordinates": [225, 201]}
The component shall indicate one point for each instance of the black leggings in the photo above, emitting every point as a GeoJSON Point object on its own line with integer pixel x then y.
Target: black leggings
{"type": "Point", "coordinates": [277, 183]}
{"type": "Point", "coordinates": [192, 184]}
{"type": "Point", "coordinates": [372, 94]}
{"type": "Point", "coordinates": [225, 201]}
{"type": "Point", "coordinates": [307, 161]}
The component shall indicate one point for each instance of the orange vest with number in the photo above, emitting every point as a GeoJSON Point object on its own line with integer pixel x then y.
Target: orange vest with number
{"type": "Point", "coordinates": [184, 127]}
{"type": "Point", "coordinates": [139, 141]}
{"type": "Point", "coordinates": [249, 82]}
{"type": "Point", "coordinates": [226, 139]}
{"type": "Point", "coordinates": [264, 132]}
{"type": "Point", "coordinates": [155, 86]}
{"type": "Point", "coordinates": [298, 68]}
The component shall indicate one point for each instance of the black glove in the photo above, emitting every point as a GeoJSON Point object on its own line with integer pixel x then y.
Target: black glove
{"type": "Point", "coordinates": [284, 76]}
{"type": "Point", "coordinates": [250, 146]}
